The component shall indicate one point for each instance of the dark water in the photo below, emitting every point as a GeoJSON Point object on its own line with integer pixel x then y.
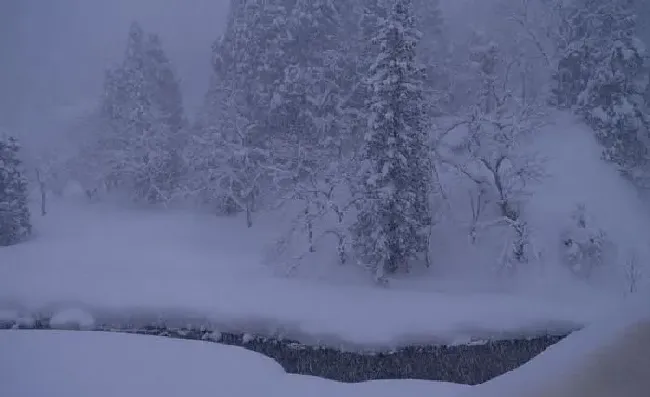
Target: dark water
{"type": "Point", "coordinates": [464, 364]}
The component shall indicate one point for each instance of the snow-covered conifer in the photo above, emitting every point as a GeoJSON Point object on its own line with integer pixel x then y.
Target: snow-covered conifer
{"type": "Point", "coordinates": [15, 224]}
{"type": "Point", "coordinates": [231, 149]}
{"type": "Point", "coordinates": [604, 74]}
{"type": "Point", "coordinates": [394, 212]}
{"type": "Point", "coordinates": [142, 113]}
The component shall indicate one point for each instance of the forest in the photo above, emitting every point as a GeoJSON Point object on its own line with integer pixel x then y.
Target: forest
{"type": "Point", "coordinates": [382, 128]}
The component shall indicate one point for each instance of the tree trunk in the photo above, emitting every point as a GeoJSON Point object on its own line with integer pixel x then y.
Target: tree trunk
{"type": "Point", "coordinates": [341, 250]}
{"type": "Point", "coordinates": [310, 228]}
{"type": "Point", "coordinates": [249, 215]}
{"type": "Point", "coordinates": [41, 186]}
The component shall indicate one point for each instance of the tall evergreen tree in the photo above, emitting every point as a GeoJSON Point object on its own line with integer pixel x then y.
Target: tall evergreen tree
{"type": "Point", "coordinates": [15, 223]}
{"type": "Point", "coordinates": [143, 121]}
{"type": "Point", "coordinates": [236, 132]}
{"type": "Point", "coordinates": [604, 74]}
{"type": "Point", "coordinates": [396, 176]}
{"type": "Point", "coordinates": [316, 108]}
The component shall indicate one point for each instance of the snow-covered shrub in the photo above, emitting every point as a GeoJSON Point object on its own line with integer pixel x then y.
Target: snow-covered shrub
{"type": "Point", "coordinates": [585, 247]}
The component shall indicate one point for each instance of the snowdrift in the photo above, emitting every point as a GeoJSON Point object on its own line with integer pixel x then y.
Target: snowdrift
{"type": "Point", "coordinates": [609, 358]}
{"type": "Point", "coordinates": [67, 363]}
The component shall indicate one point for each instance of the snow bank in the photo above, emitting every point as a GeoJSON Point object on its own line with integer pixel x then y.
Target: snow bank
{"type": "Point", "coordinates": [351, 318]}
{"type": "Point", "coordinates": [609, 358]}
{"type": "Point", "coordinates": [53, 363]}
{"type": "Point", "coordinates": [142, 267]}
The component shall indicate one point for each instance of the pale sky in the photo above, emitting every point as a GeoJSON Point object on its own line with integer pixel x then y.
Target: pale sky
{"type": "Point", "coordinates": [53, 53]}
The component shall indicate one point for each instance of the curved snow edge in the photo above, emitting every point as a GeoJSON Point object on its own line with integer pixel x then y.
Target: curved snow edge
{"type": "Point", "coordinates": [85, 318]}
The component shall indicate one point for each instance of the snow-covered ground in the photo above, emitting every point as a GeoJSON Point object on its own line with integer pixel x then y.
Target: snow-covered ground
{"type": "Point", "coordinates": [91, 263]}
{"type": "Point", "coordinates": [608, 358]}
{"type": "Point", "coordinates": [611, 357]}
{"type": "Point", "coordinates": [110, 263]}
{"type": "Point", "coordinates": [66, 364]}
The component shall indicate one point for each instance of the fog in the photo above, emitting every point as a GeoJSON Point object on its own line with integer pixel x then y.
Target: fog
{"type": "Point", "coordinates": [53, 53]}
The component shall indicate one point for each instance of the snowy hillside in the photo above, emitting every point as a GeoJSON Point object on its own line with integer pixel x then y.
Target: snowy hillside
{"type": "Point", "coordinates": [573, 176]}
{"type": "Point", "coordinates": [175, 265]}
{"type": "Point", "coordinates": [578, 175]}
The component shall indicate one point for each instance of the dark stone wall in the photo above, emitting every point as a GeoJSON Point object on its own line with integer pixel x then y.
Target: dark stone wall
{"type": "Point", "coordinates": [465, 364]}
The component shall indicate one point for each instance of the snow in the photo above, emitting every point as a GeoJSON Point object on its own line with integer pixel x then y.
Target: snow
{"type": "Point", "coordinates": [72, 318]}
{"type": "Point", "coordinates": [214, 336]}
{"type": "Point", "coordinates": [99, 264]}
{"type": "Point", "coordinates": [577, 175]}
{"type": "Point", "coordinates": [120, 266]}
{"type": "Point", "coordinates": [611, 357]}
{"type": "Point", "coordinates": [68, 363]}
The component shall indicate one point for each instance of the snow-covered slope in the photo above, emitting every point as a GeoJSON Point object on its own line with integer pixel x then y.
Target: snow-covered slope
{"type": "Point", "coordinates": [66, 364]}
{"type": "Point", "coordinates": [609, 358]}
{"type": "Point", "coordinates": [106, 262]}
{"type": "Point", "coordinates": [573, 174]}
{"type": "Point", "coordinates": [576, 174]}
{"type": "Point", "coordinates": [170, 266]}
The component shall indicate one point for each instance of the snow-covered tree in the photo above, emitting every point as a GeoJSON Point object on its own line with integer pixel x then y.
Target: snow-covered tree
{"type": "Point", "coordinates": [526, 35]}
{"type": "Point", "coordinates": [395, 174]}
{"type": "Point", "coordinates": [320, 104]}
{"type": "Point", "coordinates": [498, 126]}
{"type": "Point", "coordinates": [281, 94]}
{"type": "Point", "coordinates": [490, 150]}
{"type": "Point", "coordinates": [233, 141]}
{"type": "Point", "coordinates": [604, 74]}
{"type": "Point", "coordinates": [142, 122]}
{"type": "Point", "coordinates": [15, 224]}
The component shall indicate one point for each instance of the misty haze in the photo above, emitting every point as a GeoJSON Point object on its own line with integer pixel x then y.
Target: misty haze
{"type": "Point", "coordinates": [325, 197]}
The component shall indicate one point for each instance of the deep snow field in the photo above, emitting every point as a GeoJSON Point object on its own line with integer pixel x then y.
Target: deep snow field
{"type": "Point", "coordinates": [110, 261]}
{"type": "Point", "coordinates": [609, 358]}
{"type": "Point", "coordinates": [88, 263]}
{"type": "Point", "coordinates": [108, 365]}
{"type": "Point", "coordinates": [101, 263]}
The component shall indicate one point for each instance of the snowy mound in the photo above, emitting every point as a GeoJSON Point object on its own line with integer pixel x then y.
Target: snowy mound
{"type": "Point", "coordinates": [608, 358]}
{"type": "Point", "coordinates": [63, 364]}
